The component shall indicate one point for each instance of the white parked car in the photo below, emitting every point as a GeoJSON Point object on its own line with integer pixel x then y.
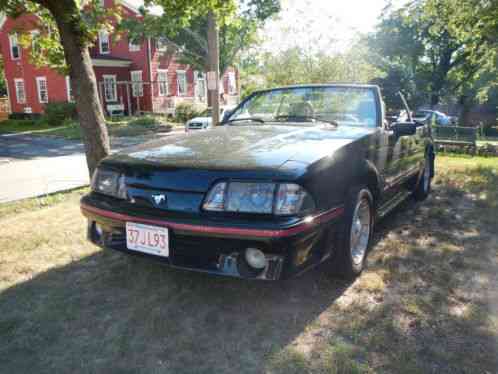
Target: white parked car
{"type": "Point", "coordinates": [203, 122]}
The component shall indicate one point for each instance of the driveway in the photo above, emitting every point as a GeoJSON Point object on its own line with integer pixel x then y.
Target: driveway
{"type": "Point", "coordinates": [32, 166]}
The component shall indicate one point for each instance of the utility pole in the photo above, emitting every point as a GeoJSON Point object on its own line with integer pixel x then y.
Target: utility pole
{"type": "Point", "coordinates": [214, 67]}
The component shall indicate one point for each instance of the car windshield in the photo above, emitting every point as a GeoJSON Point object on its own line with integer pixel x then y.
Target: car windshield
{"type": "Point", "coordinates": [350, 106]}
{"type": "Point", "coordinates": [207, 113]}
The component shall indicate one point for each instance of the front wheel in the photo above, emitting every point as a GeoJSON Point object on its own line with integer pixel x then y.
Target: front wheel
{"type": "Point", "coordinates": [354, 239]}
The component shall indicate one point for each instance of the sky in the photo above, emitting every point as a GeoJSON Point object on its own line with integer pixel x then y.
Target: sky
{"type": "Point", "coordinates": [321, 24]}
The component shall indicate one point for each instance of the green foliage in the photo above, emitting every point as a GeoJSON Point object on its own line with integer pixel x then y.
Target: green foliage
{"type": "Point", "coordinates": [178, 14]}
{"type": "Point", "coordinates": [297, 65]}
{"type": "Point", "coordinates": [432, 49]}
{"type": "Point", "coordinates": [186, 111]}
{"type": "Point", "coordinates": [237, 30]}
{"type": "Point", "coordinates": [56, 113]}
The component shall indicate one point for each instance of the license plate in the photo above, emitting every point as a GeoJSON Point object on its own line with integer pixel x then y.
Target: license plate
{"type": "Point", "coordinates": [147, 239]}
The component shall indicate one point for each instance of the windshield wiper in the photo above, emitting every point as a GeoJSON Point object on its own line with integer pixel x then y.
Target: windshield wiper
{"type": "Point", "coordinates": [300, 118]}
{"type": "Point", "coordinates": [253, 119]}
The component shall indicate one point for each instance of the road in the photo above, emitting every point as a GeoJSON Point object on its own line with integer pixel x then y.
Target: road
{"type": "Point", "coordinates": [32, 166]}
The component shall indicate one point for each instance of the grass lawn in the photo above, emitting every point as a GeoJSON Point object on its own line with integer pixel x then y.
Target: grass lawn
{"type": "Point", "coordinates": [127, 126]}
{"type": "Point", "coordinates": [428, 302]}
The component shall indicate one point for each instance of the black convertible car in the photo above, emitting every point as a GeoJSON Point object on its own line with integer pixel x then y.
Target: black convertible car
{"type": "Point", "coordinates": [295, 176]}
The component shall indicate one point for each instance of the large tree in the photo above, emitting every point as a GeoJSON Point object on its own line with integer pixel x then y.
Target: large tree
{"type": "Point", "coordinates": [434, 46]}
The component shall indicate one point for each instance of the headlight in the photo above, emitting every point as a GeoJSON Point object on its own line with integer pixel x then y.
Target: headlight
{"type": "Point", "coordinates": [109, 182]}
{"type": "Point", "coordinates": [253, 197]}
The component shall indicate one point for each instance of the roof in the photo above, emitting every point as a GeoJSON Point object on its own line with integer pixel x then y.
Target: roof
{"type": "Point", "coordinates": [131, 6]}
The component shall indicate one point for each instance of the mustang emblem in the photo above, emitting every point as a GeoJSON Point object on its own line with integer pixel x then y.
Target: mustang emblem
{"type": "Point", "coordinates": [158, 199]}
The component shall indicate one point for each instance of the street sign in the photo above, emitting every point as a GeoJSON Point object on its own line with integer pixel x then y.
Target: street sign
{"type": "Point", "coordinates": [211, 80]}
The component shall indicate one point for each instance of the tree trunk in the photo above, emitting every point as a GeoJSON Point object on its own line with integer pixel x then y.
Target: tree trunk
{"type": "Point", "coordinates": [83, 81]}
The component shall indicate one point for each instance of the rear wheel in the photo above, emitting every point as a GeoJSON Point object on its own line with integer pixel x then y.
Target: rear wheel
{"type": "Point", "coordinates": [423, 188]}
{"type": "Point", "coordinates": [353, 240]}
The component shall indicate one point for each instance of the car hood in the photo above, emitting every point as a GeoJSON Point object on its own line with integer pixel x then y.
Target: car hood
{"type": "Point", "coordinates": [244, 147]}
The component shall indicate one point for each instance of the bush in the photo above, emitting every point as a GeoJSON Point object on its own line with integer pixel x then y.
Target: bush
{"type": "Point", "coordinates": [186, 111]}
{"type": "Point", "coordinates": [24, 116]}
{"type": "Point", "coordinates": [57, 112]}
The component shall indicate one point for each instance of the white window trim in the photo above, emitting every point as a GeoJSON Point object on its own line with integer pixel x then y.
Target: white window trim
{"type": "Point", "coordinates": [11, 45]}
{"type": "Point", "coordinates": [16, 80]}
{"type": "Point", "coordinates": [199, 77]}
{"type": "Point", "coordinates": [138, 84]}
{"type": "Point", "coordinates": [115, 88]}
{"type": "Point", "coordinates": [69, 90]}
{"type": "Point", "coordinates": [230, 91]}
{"type": "Point", "coordinates": [34, 34]}
{"type": "Point", "coordinates": [132, 47]}
{"type": "Point", "coordinates": [178, 73]}
{"type": "Point", "coordinates": [101, 33]}
{"type": "Point", "coordinates": [163, 71]}
{"type": "Point", "coordinates": [38, 90]}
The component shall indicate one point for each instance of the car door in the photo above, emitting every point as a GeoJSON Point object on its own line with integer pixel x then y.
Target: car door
{"type": "Point", "coordinates": [413, 147]}
{"type": "Point", "coordinates": [396, 154]}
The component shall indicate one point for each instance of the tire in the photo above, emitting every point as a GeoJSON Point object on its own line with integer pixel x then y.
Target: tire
{"type": "Point", "coordinates": [350, 249]}
{"type": "Point", "coordinates": [423, 187]}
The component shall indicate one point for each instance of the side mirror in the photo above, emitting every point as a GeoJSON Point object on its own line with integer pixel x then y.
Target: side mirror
{"type": "Point", "coordinates": [404, 128]}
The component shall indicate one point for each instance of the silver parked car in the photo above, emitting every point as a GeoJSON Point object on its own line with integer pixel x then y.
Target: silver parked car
{"type": "Point", "coordinates": [203, 122]}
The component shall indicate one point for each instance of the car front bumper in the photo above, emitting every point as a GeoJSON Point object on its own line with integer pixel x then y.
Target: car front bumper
{"type": "Point", "coordinates": [219, 248]}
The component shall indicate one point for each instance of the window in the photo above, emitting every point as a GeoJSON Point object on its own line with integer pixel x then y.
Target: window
{"type": "Point", "coordinates": [34, 41]}
{"type": "Point", "coordinates": [69, 90]}
{"type": "Point", "coordinates": [181, 77]}
{"type": "Point", "coordinates": [162, 80]}
{"type": "Point", "coordinates": [133, 46]}
{"type": "Point", "coordinates": [200, 85]}
{"type": "Point", "coordinates": [161, 45]}
{"type": "Point", "coordinates": [232, 83]}
{"type": "Point", "coordinates": [15, 49]}
{"type": "Point", "coordinates": [41, 87]}
{"type": "Point", "coordinates": [20, 91]}
{"type": "Point", "coordinates": [105, 47]}
{"type": "Point", "coordinates": [137, 87]}
{"type": "Point", "coordinates": [110, 92]}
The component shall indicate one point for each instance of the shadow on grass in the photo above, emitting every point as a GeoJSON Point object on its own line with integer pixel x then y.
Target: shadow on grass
{"type": "Point", "coordinates": [437, 312]}
{"type": "Point", "coordinates": [112, 313]}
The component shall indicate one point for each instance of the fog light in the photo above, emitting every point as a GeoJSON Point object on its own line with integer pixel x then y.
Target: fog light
{"type": "Point", "coordinates": [255, 258]}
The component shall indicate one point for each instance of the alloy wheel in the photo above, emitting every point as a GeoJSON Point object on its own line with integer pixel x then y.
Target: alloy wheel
{"type": "Point", "coordinates": [360, 230]}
